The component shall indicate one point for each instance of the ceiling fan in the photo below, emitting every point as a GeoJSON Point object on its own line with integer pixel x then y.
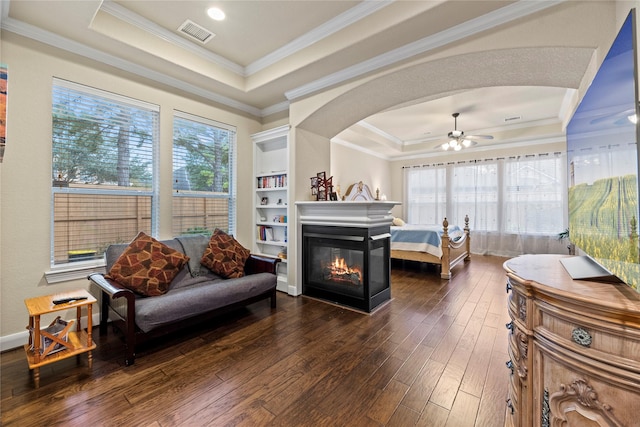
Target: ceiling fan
{"type": "Point", "coordinates": [458, 140]}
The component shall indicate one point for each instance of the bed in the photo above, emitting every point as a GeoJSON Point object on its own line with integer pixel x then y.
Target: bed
{"type": "Point", "coordinates": [446, 247]}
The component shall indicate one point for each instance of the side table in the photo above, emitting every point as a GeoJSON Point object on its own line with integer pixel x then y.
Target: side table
{"type": "Point", "coordinates": [74, 342]}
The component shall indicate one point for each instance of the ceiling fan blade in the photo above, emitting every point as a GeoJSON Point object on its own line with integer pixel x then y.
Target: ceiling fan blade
{"type": "Point", "coordinates": [478, 136]}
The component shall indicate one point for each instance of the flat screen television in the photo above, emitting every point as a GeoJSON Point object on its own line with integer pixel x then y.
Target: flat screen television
{"type": "Point", "coordinates": [603, 158]}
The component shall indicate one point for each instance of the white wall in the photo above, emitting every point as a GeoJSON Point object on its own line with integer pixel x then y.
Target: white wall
{"type": "Point", "coordinates": [350, 166]}
{"type": "Point", "coordinates": [25, 174]}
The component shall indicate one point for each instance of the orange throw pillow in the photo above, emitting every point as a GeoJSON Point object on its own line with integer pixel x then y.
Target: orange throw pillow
{"type": "Point", "coordinates": [224, 255]}
{"type": "Point", "coordinates": [147, 266]}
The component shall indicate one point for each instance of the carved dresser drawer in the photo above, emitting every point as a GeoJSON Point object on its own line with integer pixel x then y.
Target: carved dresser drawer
{"type": "Point", "coordinates": [611, 343]}
{"type": "Point", "coordinates": [574, 348]}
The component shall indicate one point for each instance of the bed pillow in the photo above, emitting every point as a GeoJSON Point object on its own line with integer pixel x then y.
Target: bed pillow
{"type": "Point", "coordinates": [398, 222]}
{"type": "Point", "coordinates": [147, 266]}
{"type": "Point", "coordinates": [224, 255]}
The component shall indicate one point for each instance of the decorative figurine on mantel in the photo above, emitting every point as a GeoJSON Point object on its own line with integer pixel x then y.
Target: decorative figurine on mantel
{"type": "Point", "coordinates": [358, 192]}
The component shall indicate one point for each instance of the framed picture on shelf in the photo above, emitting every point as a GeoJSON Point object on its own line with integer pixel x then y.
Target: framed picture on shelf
{"type": "Point", "coordinates": [322, 195]}
{"type": "Point", "coordinates": [322, 176]}
{"type": "Point", "coordinates": [333, 196]}
{"type": "Point", "coordinates": [264, 201]}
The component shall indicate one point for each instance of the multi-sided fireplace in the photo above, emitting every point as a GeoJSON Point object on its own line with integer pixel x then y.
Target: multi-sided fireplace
{"type": "Point", "coordinates": [345, 257]}
{"type": "Point", "coordinates": [346, 265]}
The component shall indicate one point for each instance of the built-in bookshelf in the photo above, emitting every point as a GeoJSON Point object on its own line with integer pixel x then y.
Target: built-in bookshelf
{"type": "Point", "coordinates": [271, 202]}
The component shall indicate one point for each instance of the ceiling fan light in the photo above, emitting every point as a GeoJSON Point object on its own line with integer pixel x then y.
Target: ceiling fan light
{"type": "Point", "coordinates": [633, 118]}
{"type": "Point", "coordinates": [458, 147]}
{"type": "Point", "coordinates": [466, 143]}
{"type": "Point", "coordinates": [445, 146]}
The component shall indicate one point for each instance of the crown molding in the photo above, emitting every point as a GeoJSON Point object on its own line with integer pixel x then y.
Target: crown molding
{"type": "Point", "coordinates": [51, 39]}
{"type": "Point", "coordinates": [330, 27]}
{"type": "Point", "coordinates": [134, 19]}
{"type": "Point", "coordinates": [275, 108]}
{"type": "Point", "coordinates": [348, 144]}
{"type": "Point", "coordinates": [474, 26]}
{"type": "Point", "coordinates": [515, 143]}
{"type": "Point", "coordinates": [344, 20]}
{"type": "Point", "coordinates": [513, 11]}
{"type": "Point", "coordinates": [381, 133]}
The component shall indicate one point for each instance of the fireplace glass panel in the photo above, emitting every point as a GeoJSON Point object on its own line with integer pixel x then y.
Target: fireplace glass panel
{"type": "Point", "coordinates": [339, 270]}
{"type": "Point", "coordinates": [378, 270]}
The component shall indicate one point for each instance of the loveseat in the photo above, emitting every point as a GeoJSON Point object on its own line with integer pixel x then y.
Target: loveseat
{"type": "Point", "coordinates": [195, 294]}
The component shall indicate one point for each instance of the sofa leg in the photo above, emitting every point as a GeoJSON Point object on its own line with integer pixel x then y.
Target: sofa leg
{"type": "Point", "coordinates": [273, 299]}
{"type": "Point", "coordinates": [104, 313]}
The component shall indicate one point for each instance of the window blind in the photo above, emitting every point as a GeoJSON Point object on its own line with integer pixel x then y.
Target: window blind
{"type": "Point", "coordinates": [103, 170]}
{"type": "Point", "coordinates": [203, 175]}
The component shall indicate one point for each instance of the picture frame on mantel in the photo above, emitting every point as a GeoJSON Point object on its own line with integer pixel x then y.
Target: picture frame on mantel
{"type": "Point", "coordinates": [322, 187]}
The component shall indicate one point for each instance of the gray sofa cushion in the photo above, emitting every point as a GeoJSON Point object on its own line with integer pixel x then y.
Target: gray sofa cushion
{"type": "Point", "coordinates": [194, 246]}
{"type": "Point", "coordinates": [201, 296]}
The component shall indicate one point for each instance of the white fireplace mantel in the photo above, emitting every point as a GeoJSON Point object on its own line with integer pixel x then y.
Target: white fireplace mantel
{"type": "Point", "coordinates": [346, 214]}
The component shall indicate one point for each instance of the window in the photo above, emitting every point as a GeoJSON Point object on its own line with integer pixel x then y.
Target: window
{"type": "Point", "coordinates": [535, 195]}
{"type": "Point", "coordinates": [514, 204]}
{"type": "Point", "coordinates": [474, 192]}
{"type": "Point", "coordinates": [427, 195]}
{"type": "Point", "coordinates": [103, 170]}
{"type": "Point", "coordinates": [203, 175]}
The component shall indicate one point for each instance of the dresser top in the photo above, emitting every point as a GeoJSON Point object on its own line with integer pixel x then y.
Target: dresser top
{"type": "Point", "coordinates": [545, 275]}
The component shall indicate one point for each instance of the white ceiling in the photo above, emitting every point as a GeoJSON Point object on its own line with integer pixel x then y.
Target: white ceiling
{"type": "Point", "coordinates": [269, 53]}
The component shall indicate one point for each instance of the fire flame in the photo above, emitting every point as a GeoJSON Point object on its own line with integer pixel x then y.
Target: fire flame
{"type": "Point", "coordinates": [339, 267]}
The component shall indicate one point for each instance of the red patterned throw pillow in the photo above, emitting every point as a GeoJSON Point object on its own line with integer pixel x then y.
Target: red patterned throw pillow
{"type": "Point", "coordinates": [147, 266]}
{"type": "Point", "coordinates": [224, 255]}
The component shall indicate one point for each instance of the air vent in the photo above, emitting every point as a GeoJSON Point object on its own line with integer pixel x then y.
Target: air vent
{"type": "Point", "coordinates": [195, 31]}
{"type": "Point", "coordinates": [512, 119]}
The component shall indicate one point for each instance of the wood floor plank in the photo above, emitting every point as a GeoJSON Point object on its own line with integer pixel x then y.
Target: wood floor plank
{"type": "Point", "coordinates": [384, 406]}
{"type": "Point", "coordinates": [433, 416]}
{"type": "Point", "coordinates": [464, 411]}
{"type": "Point", "coordinates": [476, 372]}
{"type": "Point", "coordinates": [494, 393]}
{"type": "Point", "coordinates": [403, 416]}
{"type": "Point", "coordinates": [413, 364]}
{"type": "Point", "coordinates": [433, 355]}
{"type": "Point", "coordinates": [421, 389]}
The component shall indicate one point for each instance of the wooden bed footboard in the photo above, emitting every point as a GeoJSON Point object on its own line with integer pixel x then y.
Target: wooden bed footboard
{"type": "Point", "coordinates": [453, 253]}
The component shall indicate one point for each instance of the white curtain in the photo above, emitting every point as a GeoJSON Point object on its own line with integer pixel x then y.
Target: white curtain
{"type": "Point", "coordinates": [515, 205]}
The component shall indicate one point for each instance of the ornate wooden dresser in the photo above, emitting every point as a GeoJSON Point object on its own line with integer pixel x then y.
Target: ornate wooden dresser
{"type": "Point", "coordinates": [574, 348]}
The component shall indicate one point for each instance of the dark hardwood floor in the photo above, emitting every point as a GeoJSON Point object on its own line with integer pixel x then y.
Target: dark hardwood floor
{"type": "Point", "coordinates": [433, 356]}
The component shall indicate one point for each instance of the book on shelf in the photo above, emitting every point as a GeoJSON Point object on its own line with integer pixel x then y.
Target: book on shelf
{"type": "Point", "coordinates": [265, 233]}
{"type": "Point", "coordinates": [272, 181]}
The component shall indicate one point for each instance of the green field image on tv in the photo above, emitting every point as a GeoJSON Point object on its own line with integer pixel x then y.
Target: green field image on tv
{"type": "Point", "coordinates": [603, 220]}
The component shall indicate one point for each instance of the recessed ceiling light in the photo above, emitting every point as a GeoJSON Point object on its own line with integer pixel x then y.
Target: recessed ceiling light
{"type": "Point", "coordinates": [215, 13]}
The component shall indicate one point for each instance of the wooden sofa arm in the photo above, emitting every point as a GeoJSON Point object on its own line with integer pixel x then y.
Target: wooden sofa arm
{"type": "Point", "coordinates": [110, 287]}
{"type": "Point", "coordinates": [261, 264]}
{"type": "Point", "coordinates": [112, 290]}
